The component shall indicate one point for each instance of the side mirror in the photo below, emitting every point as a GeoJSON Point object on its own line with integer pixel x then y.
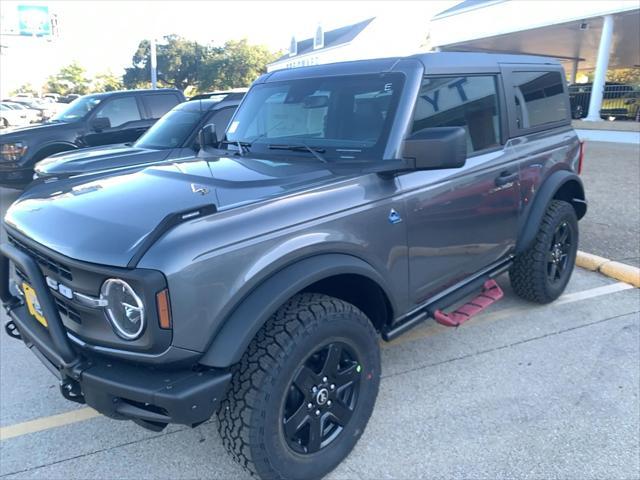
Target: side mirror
{"type": "Point", "coordinates": [100, 123]}
{"type": "Point", "coordinates": [207, 137]}
{"type": "Point", "coordinates": [437, 148]}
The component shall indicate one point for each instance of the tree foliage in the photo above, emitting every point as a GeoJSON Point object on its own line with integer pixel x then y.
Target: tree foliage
{"type": "Point", "coordinates": [180, 62]}
{"type": "Point", "coordinates": [236, 65]}
{"type": "Point", "coordinates": [70, 79]}
{"type": "Point", "coordinates": [629, 76]}
{"type": "Point", "coordinates": [25, 88]}
{"type": "Point", "coordinates": [186, 64]}
{"type": "Point", "coordinates": [107, 82]}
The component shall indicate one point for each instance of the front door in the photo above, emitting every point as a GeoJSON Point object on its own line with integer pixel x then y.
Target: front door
{"type": "Point", "coordinates": [460, 220]}
{"type": "Point", "coordinates": [125, 124]}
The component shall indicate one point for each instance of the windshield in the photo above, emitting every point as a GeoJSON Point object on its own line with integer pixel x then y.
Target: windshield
{"type": "Point", "coordinates": [77, 109]}
{"type": "Point", "coordinates": [174, 127]}
{"type": "Point", "coordinates": [347, 117]}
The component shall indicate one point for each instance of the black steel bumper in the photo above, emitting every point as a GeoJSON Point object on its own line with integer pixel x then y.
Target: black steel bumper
{"type": "Point", "coordinates": [16, 178]}
{"type": "Point", "coordinates": [149, 396]}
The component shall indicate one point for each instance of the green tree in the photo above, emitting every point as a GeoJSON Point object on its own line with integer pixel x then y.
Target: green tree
{"type": "Point", "coordinates": [26, 88]}
{"type": "Point", "coordinates": [237, 64]}
{"type": "Point", "coordinates": [630, 76]}
{"type": "Point", "coordinates": [70, 79]}
{"type": "Point", "coordinates": [179, 63]}
{"type": "Point", "coordinates": [107, 82]}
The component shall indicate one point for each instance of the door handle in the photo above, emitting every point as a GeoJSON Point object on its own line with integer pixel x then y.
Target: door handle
{"type": "Point", "coordinates": [506, 177]}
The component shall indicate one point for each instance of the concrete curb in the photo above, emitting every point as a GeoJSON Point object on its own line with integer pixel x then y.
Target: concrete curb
{"type": "Point", "coordinates": [619, 271]}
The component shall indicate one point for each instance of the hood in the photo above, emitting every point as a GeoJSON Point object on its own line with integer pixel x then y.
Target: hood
{"type": "Point", "coordinates": [22, 133]}
{"type": "Point", "coordinates": [105, 221]}
{"type": "Point", "coordinates": [96, 160]}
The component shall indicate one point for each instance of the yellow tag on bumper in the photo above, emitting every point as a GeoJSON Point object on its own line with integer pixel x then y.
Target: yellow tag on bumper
{"type": "Point", "coordinates": [32, 303]}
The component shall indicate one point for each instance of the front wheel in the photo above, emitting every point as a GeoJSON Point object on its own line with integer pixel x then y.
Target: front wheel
{"type": "Point", "coordinates": [304, 391]}
{"type": "Point", "coordinates": [541, 273]}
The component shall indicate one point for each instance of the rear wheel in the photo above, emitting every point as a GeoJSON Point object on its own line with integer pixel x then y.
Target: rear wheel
{"type": "Point", "coordinates": [541, 273]}
{"type": "Point", "coordinates": [304, 391]}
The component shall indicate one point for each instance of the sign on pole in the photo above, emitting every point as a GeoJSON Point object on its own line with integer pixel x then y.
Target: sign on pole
{"type": "Point", "coordinates": [34, 20]}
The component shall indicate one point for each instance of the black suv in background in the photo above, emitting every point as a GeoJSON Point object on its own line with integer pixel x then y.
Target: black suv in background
{"type": "Point", "coordinates": [174, 137]}
{"type": "Point", "coordinates": [91, 120]}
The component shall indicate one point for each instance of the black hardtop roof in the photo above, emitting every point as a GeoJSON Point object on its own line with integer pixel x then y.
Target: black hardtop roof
{"type": "Point", "coordinates": [433, 62]}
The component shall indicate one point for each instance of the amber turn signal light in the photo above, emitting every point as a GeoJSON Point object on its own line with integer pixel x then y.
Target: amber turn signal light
{"type": "Point", "coordinates": [164, 309]}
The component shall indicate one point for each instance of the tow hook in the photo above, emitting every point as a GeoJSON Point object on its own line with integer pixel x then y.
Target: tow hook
{"type": "Point", "coordinates": [70, 390]}
{"type": "Point", "coordinates": [12, 330]}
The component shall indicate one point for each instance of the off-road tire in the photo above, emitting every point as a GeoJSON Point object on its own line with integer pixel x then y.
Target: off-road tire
{"type": "Point", "coordinates": [250, 417]}
{"type": "Point", "coordinates": [528, 274]}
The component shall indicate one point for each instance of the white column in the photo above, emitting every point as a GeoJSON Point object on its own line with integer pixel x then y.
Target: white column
{"type": "Point", "coordinates": [602, 63]}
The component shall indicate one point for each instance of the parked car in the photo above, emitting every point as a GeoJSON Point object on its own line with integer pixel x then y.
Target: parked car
{"type": "Point", "coordinates": [69, 98]}
{"type": "Point", "coordinates": [173, 137]}
{"type": "Point", "coordinates": [235, 94]}
{"type": "Point", "coordinates": [625, 107]}
{"type": "Point", "coordinates": [11, 117]}
{"type": "Point", "coordinates": [89, 121]}
{"type": "Point", "coordinates": [580, 96]}
{"type": "Point", "coordinates": [44, 111]}
{"type": "Point", "coordinates": [32, 116]}
{"type": "Point", "coordinates": [344, 203]}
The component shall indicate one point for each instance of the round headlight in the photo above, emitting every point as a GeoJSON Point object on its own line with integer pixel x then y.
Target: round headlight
{"type": "Point", "coordinates": [124, 309]}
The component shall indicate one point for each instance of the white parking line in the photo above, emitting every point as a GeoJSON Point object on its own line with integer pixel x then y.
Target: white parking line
{"type": "Point", "coordinates": [434, 328]}
{"type": "Point", "coordinates": [54, 421]}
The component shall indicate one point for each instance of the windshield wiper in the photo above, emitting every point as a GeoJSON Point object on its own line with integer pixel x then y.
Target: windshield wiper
{"type": "Point", "coordinates": [315, 151]}
{"type": "Point", "coordinates": [242, 146]}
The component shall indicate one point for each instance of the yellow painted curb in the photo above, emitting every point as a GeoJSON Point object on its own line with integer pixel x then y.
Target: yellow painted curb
{"type": "Point", "coordinates": [590, 261]}
{"type": "Point", "coordinates": [619, 271]}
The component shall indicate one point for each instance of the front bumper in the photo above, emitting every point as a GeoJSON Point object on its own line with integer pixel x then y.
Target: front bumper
{"type": "Point", "coordinates": [15, 177]}
{"type": "Point", "coordinates": [150, 396]}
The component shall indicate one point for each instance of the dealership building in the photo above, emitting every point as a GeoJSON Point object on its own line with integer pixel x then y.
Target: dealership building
{"type": "Point", "coordinates": [587, 37]}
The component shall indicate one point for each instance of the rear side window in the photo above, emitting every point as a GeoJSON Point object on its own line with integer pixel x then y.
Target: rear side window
{"type": "Point", "coordinates": [539, 98]}
{"type": "Point", "coordinates": [221, 119]}
{"type": "Point", "coordinates": [120, 111]}
{"type": "Point", "coordinates": [159, 104]}
{"type": "Point", "coordinates": [468, 102]}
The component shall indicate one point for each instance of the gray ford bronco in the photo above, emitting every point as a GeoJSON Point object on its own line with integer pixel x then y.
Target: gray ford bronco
{"type": "Point", "coordinates": [344, 203]}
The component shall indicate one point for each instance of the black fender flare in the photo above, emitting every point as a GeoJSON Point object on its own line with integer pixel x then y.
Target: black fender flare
{"type": "Point", "coordinates": [52, 148]}
{"type": "Point", "coordinates": [241, 326]}
{"type": "Point", "coordinates": [550, 190]}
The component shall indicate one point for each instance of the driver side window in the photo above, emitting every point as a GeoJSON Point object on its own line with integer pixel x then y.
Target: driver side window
{"type": "Point", "coordinates": [120, 111]}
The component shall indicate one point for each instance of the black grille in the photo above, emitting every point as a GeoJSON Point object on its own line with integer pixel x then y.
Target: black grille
{"type": "Point", "coordinates": [67, 310]}
{"type": "Point", "coordinates": [63, 307]}
{"type": "Point", "coordinates": [44, 260]}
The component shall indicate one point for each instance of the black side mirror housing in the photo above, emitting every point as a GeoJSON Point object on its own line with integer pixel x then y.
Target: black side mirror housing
{"type": "Point", "coordinates": [100, 123]}
{"type": "Point", "coordinates": [207, 137]}
{"type": "Point", "coordinates": [436, 148]}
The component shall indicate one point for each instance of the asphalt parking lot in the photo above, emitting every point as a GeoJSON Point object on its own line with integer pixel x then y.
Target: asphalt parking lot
{"type": "Point", "coordinates": [521, 391]}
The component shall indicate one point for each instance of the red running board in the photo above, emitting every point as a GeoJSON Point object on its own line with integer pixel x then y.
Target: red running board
{"type": "Point", "coordinates": [491, 293]}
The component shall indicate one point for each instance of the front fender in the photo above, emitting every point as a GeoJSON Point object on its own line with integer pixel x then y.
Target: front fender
{"type": "Point", "coordinates": [255, 309]}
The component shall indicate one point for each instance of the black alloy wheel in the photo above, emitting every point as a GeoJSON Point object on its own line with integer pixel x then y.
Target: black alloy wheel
{"type": "Point", "coordinates": [321, 398]}
{"type": "Point", "coordinates": [558, 255]}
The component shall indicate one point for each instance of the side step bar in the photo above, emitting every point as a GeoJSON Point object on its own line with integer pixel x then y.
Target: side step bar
{"type": "Point", "coordinates": [484, 281]}
{"type": "Point", "coordinates": [491, 293]}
